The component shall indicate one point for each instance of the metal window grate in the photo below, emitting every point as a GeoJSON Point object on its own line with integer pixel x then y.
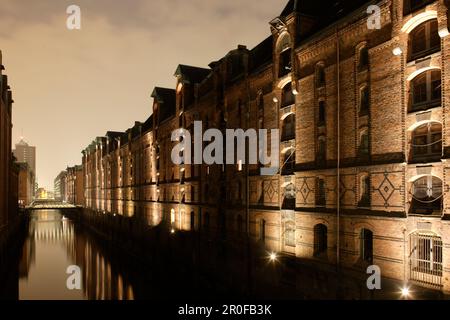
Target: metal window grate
{"type": "Point", "coordinates": [426, 259]}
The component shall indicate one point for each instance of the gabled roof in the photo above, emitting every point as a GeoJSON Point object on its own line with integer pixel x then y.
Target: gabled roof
{"type": "Point", "coordinates": [190, 74]}
{"type": "Point", "coordinates": [167, 101]}
{"type": "Point", "coordinates": [261, 54]}
{"type": "Point", "coordinates": [113, 134]}
{"type": "Point", "coordinates": [148, 124]}
{"type": "Point", "coordinates": [330, 9]}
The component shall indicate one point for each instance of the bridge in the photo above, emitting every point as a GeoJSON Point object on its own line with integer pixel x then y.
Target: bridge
{"type": "Point", "coordinates": [49, 205]}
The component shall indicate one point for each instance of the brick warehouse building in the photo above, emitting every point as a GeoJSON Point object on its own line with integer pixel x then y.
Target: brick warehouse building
{"type": "Point", "coordinates": [360, 109]}
{"type": "Point", "coordinates": [8, 169]}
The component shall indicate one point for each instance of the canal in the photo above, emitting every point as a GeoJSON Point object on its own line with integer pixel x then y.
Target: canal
{"type": "Point", "coordinates": [155, 264]}
{"type": "Point", "coordinates": [53, 244]}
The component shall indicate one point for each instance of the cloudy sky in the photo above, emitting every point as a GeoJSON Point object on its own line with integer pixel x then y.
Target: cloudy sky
{"type": "Point", "coordinates": [70, 86]}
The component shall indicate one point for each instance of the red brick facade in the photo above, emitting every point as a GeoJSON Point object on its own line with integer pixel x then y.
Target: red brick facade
{"type": "Point", "coordinates": [363, 113]}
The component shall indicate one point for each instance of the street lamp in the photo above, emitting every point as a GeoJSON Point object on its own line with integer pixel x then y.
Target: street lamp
{"type": "Point", "coordinates": [405, 292]}
{"type": "Point", "coordinates": [273, 257]}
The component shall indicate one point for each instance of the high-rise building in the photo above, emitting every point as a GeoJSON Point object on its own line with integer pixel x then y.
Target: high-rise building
{"type": "Point", "coordinates": [26, 153]}
{"type": "Point", "coordinates": [59, 185]}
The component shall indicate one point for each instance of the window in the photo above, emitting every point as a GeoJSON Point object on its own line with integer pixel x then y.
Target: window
{"type": "Point", "coordinates": [239, 192]}
{"type": "Point", "coordinates": [321, 149]}
{"type": "Point", "coordinates": [320, 240]}
{"type": "Point", "coordinates": [206, 193]}
{"type": "Point", "coordinates": [364, 143]}
{"type": "Point", "coordinates": [288, 97]}
{"type": "Point", "coordinates": [172, 217]}
{"type": "Point", "coordinates": [285, 63]}
{"type": "Point", "coordinates": [192, 221]}
{"type": "Point", "coordinates": [206, 221]}
{"type": "Point", "coordinates": [425, 91]}
{"type": "Point", "coordinates": [289, 197]}
{"type": "Point", "coordinates": [426, 143]}
{"type": "Point", "coordinates": [192, 194]}
{"type": "Point", "coordinates": [289, 234]}
{"type": "Point", "coordinates": [289, 162]}
{"type": "Point", "coordinates": [322, 113]}
{"type": "Point", "coordinates": [424, 40]}
{"type": "Point", "coordinates": [426, 258]}
{"type": "Point", "coordinates": [284, 50]}
{"type": "Point", "coordinates": [320, 193]}
{"type": "Point", "coordinates": [426, 195]}
{"type": "Point", "coordinates": [288, 130]}
{"type": "Point", "coordinates": [410, 6]}
{"type": "Point", "coordinates": [262, 230]}
{"type": "Point", "coordinates": [261, 102]}
{"type": "Point", "coordinates": [364, 101]}
{"type": "Point", "coordinates": [364, 200]}
{"type": "Point", "coordinates": [366, 249]}
{"type": "Point", "coordinates": [363, 59]}
{"type": "Point", "coordinates": [320, 75]}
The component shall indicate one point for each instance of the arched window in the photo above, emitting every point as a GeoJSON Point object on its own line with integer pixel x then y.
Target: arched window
{"type": "Point", "coordinates": [364, 200]}
{"type": "Point", "coordinates": [320, 75]}
{"type": "Point", "coordinates": [426, 193]}
{"type": "Point", "coordinates": [321, 200]}
{"type": "Point", "coordinates": [363, 58]}
{"type": "Point", "coordinates": [288, 130]}
{"type": "Point", "coordinates": [425, 91]}
{"type": "Point", "coordinates": [426, 143]}
{"type": "Point", "coordinates": [366, 246]}
{"type": "Point", "coordinates": [320, 240]}
{"type": "Point", "coordinates": [284, 56]}
{"type": "Point", "coordinates": [289, 197]}
{"type": "Point", "coordinates": [363, 149]}
{"type": "Point", "coordinates": [424, 40]}
{"type": "Point", "coordinates": [288, 97]}
{"type": "Point", "coordinates": [364, 100]}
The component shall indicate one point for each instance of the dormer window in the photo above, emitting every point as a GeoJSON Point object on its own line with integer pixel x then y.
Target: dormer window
{"type": "Point", "coordinates": [284, 50]}
{"type": "Point", "coordinates": [410, 6]}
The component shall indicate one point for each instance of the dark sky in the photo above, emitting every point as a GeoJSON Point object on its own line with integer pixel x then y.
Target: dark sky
{"type": "Point", "coordinates": [71, 86]}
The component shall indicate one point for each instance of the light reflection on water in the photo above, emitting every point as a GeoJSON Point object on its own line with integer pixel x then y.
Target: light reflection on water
{"type": "Point", "coordinates": [53, 244]}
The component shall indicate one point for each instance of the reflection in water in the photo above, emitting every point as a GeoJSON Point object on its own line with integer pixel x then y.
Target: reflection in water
{"type": "Point", "coordinates": [53, 244]}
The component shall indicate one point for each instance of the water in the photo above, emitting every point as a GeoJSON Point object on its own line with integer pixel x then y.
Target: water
{"type": "Point", "coordinates": [54, 243]}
